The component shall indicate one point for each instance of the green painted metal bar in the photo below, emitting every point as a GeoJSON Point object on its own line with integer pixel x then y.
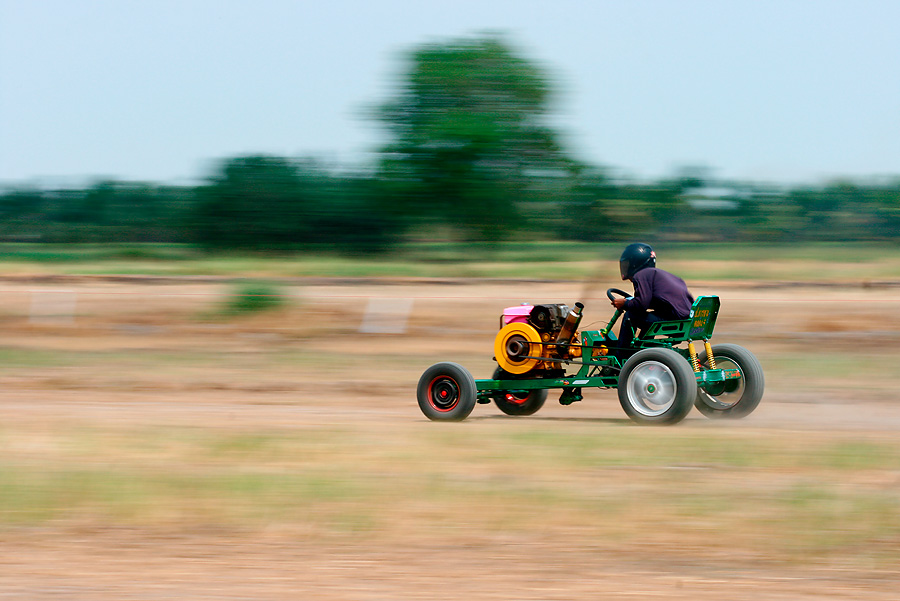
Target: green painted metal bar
{"type": "Point", "coordinates": [537, 383]}
{"type": "Point", "coordinates": [712, 376]}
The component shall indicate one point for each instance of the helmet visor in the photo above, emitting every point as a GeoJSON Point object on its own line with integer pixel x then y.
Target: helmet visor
{"type": "Point", "coordinates": [624, 267]}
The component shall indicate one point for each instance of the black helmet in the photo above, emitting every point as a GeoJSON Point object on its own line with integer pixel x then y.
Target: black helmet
{"type": "Point", "coordinates": [634, 258]}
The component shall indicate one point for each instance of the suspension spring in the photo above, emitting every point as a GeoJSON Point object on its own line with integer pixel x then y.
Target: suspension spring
{"type": "Point", "coordinates": [709, 356]}
{"type": "Point", "coordinates": [695, 362]}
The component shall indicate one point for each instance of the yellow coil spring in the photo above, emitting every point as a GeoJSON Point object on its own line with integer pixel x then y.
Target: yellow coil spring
{"type": "Point", "coordinates": [695, 362]}
{"type": "Point", "coordinates": [709, 355]}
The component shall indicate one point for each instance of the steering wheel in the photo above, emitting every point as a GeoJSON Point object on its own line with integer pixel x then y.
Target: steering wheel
{"type": "Point", "coordinates": [611, 291]}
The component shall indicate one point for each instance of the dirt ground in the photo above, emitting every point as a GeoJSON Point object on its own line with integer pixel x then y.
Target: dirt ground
{"type": "Point", "coordinates": [114, 354]}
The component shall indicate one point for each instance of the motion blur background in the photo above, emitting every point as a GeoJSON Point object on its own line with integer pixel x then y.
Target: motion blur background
{"type": "Point", "coordinates": [356, 127]}
{"type": "Point", "coordinates": [234, 234]}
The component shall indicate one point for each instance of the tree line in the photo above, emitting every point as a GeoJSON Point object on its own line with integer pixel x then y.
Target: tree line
{"type": "Point", "coordinates": [471, 156]}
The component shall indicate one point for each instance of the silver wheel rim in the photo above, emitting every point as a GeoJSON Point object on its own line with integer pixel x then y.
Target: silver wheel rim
{"type": "Point", "coordinates": [651, 388]}
{"type": "Point", "coordinates": [729, 398]}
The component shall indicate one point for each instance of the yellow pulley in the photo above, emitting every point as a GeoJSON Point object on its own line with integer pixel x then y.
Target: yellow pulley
{"type": "Point", "coordinates": [513, 343]}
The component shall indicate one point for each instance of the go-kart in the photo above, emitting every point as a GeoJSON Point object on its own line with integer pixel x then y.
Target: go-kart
{"type": "Point", "coordinates": [659, 373]}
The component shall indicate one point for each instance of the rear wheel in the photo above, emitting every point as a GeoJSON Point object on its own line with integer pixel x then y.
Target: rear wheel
{"type": "Point", "coordinates": [657, 387]}
{"type": "Point", "coordinates": [522, 402]}
{"type": "Point", "coordinates": [733, 399]}
{"type": "Point", "coordinates": [446, 392]}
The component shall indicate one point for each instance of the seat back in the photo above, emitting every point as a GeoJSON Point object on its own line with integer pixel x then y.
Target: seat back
{"type": "Point", "coordinates": [699, 326]}
{"type": "Point", "coordinates": [704, 312]}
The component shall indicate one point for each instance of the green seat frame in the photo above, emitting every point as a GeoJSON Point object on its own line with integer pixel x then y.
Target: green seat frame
{"type": "Point", "coordinates": [699, 326]}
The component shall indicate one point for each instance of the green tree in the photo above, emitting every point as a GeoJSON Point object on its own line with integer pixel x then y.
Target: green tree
{"type": "Point", "coordinates": [886, 209]}
{"type": "Point", "coordinates": [262, 202]}
{"type": "Point", "coordinates": [17, 203]}
{"type": "Point", "coordinates": [469, 135]}
{"type": "Point", "coordinates": [257, 202]}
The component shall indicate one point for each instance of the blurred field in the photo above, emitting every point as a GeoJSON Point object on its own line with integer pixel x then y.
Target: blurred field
{"type": "Point", "coordinates": [157, 444]}
{"type": "Point", "coordinates": [822, 262]}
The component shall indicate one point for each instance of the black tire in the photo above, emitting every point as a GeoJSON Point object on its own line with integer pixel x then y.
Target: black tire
{"type": "Point", "coordinates": [734, 400]}
{"type": "Point", "coordinates": [517, 403]}
{"type": "Point", "coordinates": [657, 387]}
{"type": "Point", "coordinates": [446, 392]}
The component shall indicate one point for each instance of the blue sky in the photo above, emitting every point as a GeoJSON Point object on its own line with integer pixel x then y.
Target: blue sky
{"type": "Point", "coordinates": [787, 91]}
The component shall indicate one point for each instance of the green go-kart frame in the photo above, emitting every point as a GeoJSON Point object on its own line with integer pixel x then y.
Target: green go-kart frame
{"type": "Point", "coordinates": [660, 374]}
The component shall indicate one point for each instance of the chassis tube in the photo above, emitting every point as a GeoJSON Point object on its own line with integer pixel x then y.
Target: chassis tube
{"type": "Point", "coordinates": [532, 384]}
{"type": "Point", "coordinates": [709, 376]}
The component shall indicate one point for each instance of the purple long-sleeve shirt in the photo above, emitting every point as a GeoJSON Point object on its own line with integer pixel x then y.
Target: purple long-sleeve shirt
{"type": "Point", "coordinates": [661, 292]}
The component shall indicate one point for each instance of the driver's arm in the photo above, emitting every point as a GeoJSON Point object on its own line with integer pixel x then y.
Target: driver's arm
{"type": "Point", "coordinates": [643, 293]}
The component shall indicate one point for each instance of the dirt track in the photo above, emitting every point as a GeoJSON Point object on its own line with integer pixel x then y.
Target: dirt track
{"type": "Point", "coordinates": [134, 355]}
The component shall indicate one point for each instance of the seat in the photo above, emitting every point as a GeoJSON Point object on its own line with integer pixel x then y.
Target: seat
{"type": "Point", "coordinates": [698, 326]}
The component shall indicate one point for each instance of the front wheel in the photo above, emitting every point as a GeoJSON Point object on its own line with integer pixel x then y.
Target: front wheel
{"type": "Point", "coordinates": [446, 392]}
{"type": "Point", "coordinates": [523, 402]}
{"type": "Point", "coordinates": [657, 387]}
{"type": "Point", "coordinates": [732, 399]}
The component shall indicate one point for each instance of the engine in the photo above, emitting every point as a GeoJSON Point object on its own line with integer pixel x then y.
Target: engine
{"type": "Point", "coordinates": [537, 337]}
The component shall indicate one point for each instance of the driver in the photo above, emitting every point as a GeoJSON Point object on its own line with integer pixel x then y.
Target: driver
{"type": "Point", "coordinates": [658, 295]}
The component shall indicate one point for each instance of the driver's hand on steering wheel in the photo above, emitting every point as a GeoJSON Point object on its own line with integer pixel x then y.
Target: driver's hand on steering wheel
{"type": "Point", "coordinates": [618, 303]}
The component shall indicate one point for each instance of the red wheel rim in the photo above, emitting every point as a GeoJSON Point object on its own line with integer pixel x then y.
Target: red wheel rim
{"type": "Point", "coordinates": [517, 399]}
{"type": "Point", "coordinates": [443, 393]}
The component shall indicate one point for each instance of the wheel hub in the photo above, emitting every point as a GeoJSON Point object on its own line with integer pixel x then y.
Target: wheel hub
{"type": "Point", "coordinates": [444, 392]}
{"type": "Point", "coordinates": [651, 388]}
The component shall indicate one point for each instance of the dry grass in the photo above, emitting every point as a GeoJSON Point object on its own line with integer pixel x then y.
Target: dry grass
{"type": "Point", "coordinates": [778, 497]}
{"type": "Point", "coordinates": [287, 441]}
